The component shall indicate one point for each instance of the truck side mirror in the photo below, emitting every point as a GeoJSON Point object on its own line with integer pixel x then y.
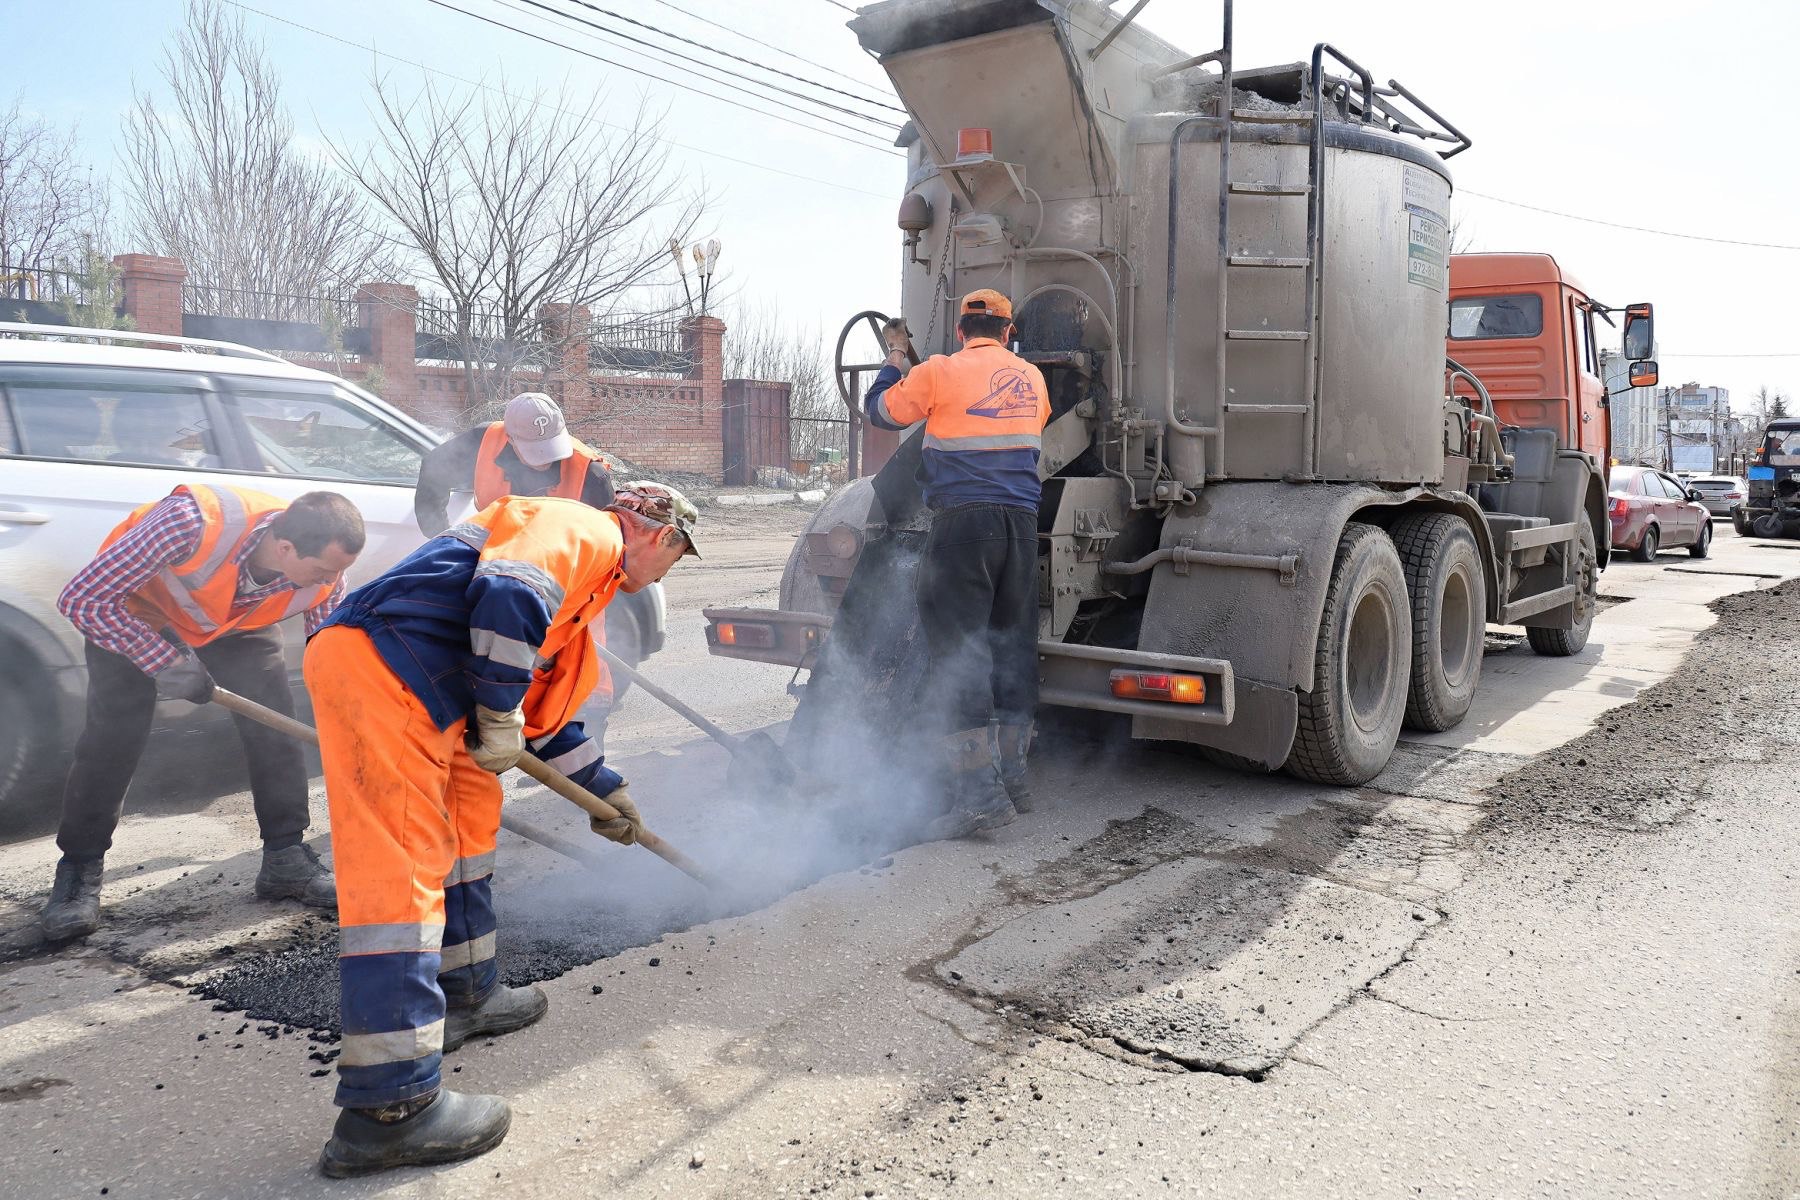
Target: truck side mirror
{"type": "Point", "coordinates": [1640, 333]}
{"type": "Point", "coordinates": [1642, 374]}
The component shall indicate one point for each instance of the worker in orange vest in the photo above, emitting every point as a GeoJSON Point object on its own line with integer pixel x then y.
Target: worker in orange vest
{"type": "Point", "coordinates": [187, 588]}
{"type": "Point", "coordinates": [984, 410]}
{"type": "Point", "coordinates": [428, 683]}
{"type": "Point", "coordinates": [529, 452]}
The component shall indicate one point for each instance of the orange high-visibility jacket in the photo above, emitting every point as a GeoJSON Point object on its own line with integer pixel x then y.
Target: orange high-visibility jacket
{"type": "Point", "coordinates": [491, 482]}
{"type": "Point", "coordinates": [194, 597]}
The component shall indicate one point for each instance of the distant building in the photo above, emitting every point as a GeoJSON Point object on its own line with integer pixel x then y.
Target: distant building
{"type": "Point", "coordinates": [1632, 412]}
{"type": "Point", "coordinates": [1696, 429]}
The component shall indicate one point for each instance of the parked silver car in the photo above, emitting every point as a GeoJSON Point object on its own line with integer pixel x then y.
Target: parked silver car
{"type": "Point", "coordinates": [1723, 495]}
{"type": "Point", "coordinates": [89, 432]}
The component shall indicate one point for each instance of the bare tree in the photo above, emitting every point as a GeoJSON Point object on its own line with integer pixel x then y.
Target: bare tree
{"type": "Point", "coordinates": [219, 182]}
{"type": "Point", "coordinates": [509, 208]}
{"type": "Point", "coordinates": [51, 211]}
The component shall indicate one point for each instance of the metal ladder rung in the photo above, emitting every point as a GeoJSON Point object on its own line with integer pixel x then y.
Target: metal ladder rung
{"type": "Point", "coordinates": [1268, 335]}
{"type": "Point", "coordinates": [1265, 116]}
{"type": "Point", "coordinates": [1262, 260]}
{"type": "Point", "coordinates": [1271, 189]}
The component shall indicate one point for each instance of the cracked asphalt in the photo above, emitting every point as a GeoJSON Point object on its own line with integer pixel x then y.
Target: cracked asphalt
{"type": "Point", "coordinates": [1554, 952]}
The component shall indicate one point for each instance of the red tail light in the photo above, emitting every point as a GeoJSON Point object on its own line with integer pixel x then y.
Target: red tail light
{"type": "Point", "coordinates": [1734, 495]}
{"type": "Point", "coordinates": [1620, 506]}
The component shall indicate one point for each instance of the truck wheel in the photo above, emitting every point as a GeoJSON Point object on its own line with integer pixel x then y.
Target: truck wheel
{"type": "Point", "coordinates": [1646, 549]}
{"type": "Point", "coordinates": [1444, 580]}
{"type": "Point", "coordinates": [1740, 521]}
{"type": "Point", "coordinates": [1768, 525]}
{"type": "Point", "coordinates": [1350, 719]}
{"type": "Point", "coordinates": [1561, 643]}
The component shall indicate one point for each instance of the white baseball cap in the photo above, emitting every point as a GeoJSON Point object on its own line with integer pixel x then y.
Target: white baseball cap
{"type": "Point", "coordinates": [534, 426]}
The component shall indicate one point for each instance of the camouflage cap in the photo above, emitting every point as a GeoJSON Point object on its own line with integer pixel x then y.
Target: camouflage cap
{"type": "Point", "coordinates": [661, 503]}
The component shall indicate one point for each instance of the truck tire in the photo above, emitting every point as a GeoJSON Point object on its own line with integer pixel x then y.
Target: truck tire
{"type": "Point", "coordinates": [1768, 525]}
{"type": "Point", "coordinates": [1740, 521]}
{"type": "Point", "coordinates": [1647, 548]}
{"type": "Point", "coordinates": [1561, 643]}
{"type": "Point", "coordinates": [1448, 590]}
{"type": "Point", "coordinates": [1351, 718]}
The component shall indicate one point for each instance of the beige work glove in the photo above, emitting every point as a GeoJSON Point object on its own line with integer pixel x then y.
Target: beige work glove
{"type": "Point", "coordinates": [627, 827]}
{"type": "Point", "coordinates": [498, 739]}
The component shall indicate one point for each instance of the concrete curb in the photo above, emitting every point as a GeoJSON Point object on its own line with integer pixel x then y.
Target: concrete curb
{"type": "Point", "coordinates": [764, 499]}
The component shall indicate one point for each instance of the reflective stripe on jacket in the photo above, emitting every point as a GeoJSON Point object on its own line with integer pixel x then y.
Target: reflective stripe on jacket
{"type": "Point", "coordinates": [984, 410]}
{"type": "Point", "coordinates": [194, 597]}
{"type": "Point", "coordinates": [491, 482]}
{"type": "Point", "coordinates": [496, 611]}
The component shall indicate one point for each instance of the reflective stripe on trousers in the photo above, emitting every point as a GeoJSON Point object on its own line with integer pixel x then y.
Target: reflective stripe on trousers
{"type": "Point", "coordinates": [413, 823]}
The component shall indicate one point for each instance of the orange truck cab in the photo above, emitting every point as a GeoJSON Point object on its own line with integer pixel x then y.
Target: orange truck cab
{"type": "Point", "coordinates": [1527, 329]}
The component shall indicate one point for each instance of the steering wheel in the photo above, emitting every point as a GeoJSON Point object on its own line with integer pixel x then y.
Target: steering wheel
{"type": "Point", "coordinates": [844, 370]}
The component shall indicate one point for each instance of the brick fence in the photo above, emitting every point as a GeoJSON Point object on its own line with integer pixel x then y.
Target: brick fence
{"type": "Point", "coordinates": [667, 424]}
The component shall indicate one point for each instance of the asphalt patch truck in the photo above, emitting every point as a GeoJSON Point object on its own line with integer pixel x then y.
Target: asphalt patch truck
{"type": "Point", "coordinates": [1276, 521]}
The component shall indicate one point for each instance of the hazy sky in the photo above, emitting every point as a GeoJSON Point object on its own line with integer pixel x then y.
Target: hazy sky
{"type": "Point", "coordinates": [1669, 116]}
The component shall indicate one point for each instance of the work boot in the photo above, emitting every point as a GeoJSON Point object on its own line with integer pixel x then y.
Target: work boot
{"type": "Point", "coordinates": [977, 796]}
{"type": "Point", "coordinates": [295, 873]}
{"type": "Point", "coordinates": [1014, 748]}
{"type": "Point", "coordinates": [445, 1128]}
{"type": "Point", "coordinates": [505, 1010]}
{"type": "Point", "coordinates": [73, 909]}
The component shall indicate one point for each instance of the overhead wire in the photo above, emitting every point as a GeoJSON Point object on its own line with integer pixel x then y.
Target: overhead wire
{"type": "Point", "coordinates": [1691, 237]}
{"type": "Point", "coordinates": [612, 37]}
{"type": "Point", "coordinates": [536, 103]}
{"type": "Point", "coordinates": [705, 20]}
{"type": "Point", "coordinates": [711, 49]}
{"type": "Point", "coordinates": [662, 79]}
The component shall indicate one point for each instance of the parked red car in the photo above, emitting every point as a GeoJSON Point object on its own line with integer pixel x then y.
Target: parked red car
{"type": "Point", "coordinates": [1652, 511]}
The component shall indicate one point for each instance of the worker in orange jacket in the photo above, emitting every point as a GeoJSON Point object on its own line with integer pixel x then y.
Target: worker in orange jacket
{"type": "Point", "coordinates": [427, 683]}
{"type": "Point", "coordinates": [984, 410]}
{"type": "Point", "coordinates": [185, 588]}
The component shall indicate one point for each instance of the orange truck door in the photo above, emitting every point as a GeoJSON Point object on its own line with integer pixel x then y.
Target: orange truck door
{"type": "Point", "coordinates": [1592, 432]}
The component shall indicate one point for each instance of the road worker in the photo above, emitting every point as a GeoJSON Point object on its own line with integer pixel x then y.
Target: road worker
{"type": "Point", "coordinates": [984, 410]}
{"type": "Point", "coordinates": [529, 452]}
{"type": "Point", "coordinates": [428, 683]}
{"type": "Point", "coordinates": [185, 589]}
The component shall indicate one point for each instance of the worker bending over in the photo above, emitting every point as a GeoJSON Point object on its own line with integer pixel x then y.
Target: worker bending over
{"type": "Point", "coordinates": [185, 589]}
{"type": "Point", "coordinates": [984, 410]}
{"type": "Point", "coordinates": [529, 452]}
{"type": "Point", "coordinates": [428, 683]}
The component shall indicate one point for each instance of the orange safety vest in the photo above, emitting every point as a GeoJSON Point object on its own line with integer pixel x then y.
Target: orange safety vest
{"type": "Point", "coordinates": [582, 552]}
{"type": "Point", "coordinates": [983, 397]}
{"type": "Point", "coordinates": [195, 596]}
{"type": "Point", "coordinates": [491, 482]}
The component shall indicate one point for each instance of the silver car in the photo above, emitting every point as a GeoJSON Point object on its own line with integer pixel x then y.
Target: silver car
{"type": "Point", "coordinates": [1723, 495]}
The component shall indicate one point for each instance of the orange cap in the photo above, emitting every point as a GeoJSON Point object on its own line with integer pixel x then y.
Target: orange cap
{"type": "Point", "coordinates": [987, 303]}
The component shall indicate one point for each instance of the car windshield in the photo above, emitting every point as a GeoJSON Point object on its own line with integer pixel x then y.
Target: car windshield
{"type": "Point", "coordinates": [1476, 317]}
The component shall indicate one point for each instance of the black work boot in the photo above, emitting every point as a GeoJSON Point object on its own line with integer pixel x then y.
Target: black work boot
{"type": "Point", "coordinates": [1014, 748]}
{"type": "Point", "coordinates": [73, 909]}
{"type": "Point", "coordinates": [445, 1128]}
{"type": "Point", "coordinates": [977, 796]}
{"type": "Point", "coordinates": [504, 1010]}
{"type": "Point", "coordinates": [295, 873]}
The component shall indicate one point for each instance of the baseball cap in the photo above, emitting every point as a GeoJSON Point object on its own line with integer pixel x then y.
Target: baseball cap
{"type": "Point", "coordinates": [534, 426]}
{"type": "Point", "coordinates": [662, 503]}
{"type": "Point", "coordinates": [987, 303]}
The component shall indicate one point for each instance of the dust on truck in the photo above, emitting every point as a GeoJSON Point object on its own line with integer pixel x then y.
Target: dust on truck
{"type": "Point", "coordinates": [1274, 523]}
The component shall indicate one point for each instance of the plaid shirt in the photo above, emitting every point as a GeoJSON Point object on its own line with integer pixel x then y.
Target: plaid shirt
{"type": "Point", "coordinates": [94, 601]}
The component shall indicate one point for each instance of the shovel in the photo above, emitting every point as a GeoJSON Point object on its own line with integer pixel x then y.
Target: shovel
{"type": "Point", "coordinates": [754, 757]}
{"type": "Point", "coordinates": [533, 766]}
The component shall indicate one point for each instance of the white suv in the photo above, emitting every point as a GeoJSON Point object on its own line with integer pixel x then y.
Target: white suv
{"type": "Point", "coordinates": [90, 431]}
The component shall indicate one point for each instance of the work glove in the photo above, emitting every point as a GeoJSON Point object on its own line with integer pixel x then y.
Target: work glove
{"type": "Point", "coordinates": [627, 827]}
{"type": "Point", "coordinates": [498, 739]}
{"type": "Point", "coordinates": [185, 679]}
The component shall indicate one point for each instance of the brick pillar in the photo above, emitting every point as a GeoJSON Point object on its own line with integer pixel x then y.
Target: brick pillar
{"type": "Point", "coordinates": [152, 287]}
{"type": "Point", "coordinates": [389, 312]}
{"type": "Point", "coordinates": [703, 338]}
{"type": "Point", "coordinates": [569, 379]}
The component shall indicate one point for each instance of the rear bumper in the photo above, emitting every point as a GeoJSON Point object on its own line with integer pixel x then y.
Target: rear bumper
{"type": "Point", "coordinates": [1068, 676]}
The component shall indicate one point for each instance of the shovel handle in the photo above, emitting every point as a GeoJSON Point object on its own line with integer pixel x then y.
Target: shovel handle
{"type": "Point", "coordinates": [533, 766]}
{"type": "Point", "coordinates": [693, 718]}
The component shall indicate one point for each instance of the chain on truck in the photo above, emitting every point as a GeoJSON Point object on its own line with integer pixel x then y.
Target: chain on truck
{"type": "Point", "coordinates": [1275, 521]}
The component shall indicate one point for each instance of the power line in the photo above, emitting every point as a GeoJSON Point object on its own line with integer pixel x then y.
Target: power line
{"type": "Point", "coordinates": [611, 35]}
{"type": "Point", "coordinates": [766, 45]}
{"type": "Point", "coordinates": [488, 87]}
{"type": "Point", "coordinates": [842, 5]}
{"type": "Point", "coordinates": [1691, 237]}
{"type": "Point", "coordinates": [1763, 354]}
{"type": "Point", "coordinates": [661, 79]}
{"type": "Point", "coordinates": [656, 29]}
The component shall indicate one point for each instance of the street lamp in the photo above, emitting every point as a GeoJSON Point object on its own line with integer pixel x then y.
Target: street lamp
{"type": "Point", "coordinates": [706, 261]}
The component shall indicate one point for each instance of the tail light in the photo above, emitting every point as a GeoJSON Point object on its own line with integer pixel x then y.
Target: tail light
{"type": "Point", "coordinates": [746, 633]}
{"type": "Point", "coordinates": [1734, 496]}
{"type": "Point", "coordinates": [1157, 685]}
{"type": "Point", "coordinates": [1620, 506]}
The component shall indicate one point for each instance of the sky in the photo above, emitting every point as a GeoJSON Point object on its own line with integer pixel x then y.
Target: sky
{"type": "Point", "coordinates": [1671, 117]}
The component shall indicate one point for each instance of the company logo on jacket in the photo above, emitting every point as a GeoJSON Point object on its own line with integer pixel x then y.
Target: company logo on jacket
{"type": "Point", "coordinates": [1010, 394]}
